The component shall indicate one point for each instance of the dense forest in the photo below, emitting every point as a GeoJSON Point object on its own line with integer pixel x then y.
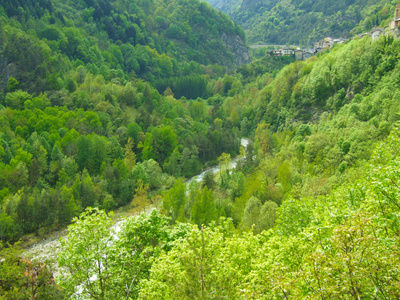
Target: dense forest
{"type": "Point", "coordinates": [88, 110]}
{"type": "Point", "coordinates": [103, 106]}
{"type": "Point", "coordinates": [300, 22]}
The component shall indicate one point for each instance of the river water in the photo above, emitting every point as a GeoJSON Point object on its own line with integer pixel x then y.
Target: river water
{"type": "Point", "coordinates": [46, 251]}
{"type": "Point", "coordinates": [215, 169]}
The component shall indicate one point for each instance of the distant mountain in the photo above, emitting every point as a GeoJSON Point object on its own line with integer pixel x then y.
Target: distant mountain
{"type": "Point", "coordinates": [303, 21]}
{"type": "Point", "coordinates": [96, 31]}
{"type": "Point", "coordinates": [227, 6]}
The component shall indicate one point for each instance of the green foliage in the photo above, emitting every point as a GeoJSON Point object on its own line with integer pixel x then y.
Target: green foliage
{"type": "Point", "coordinates": [323, 114]}
{"type": "Point", "coordinates": [262, 65]}
{"type": "Point", "coordinates": [8, 229]}
{"type": "Point", "coordinates": [115, 261]}
{"type": "Point", "coordinates": [86, 130]}
{"type": "Point", "coordinates": [147, 236]}
{"type": "Point", "coordinates": [48, 150]}
{"type": "Point", "coordinates": [251, 213]}
{"type": "Point", "coordinates": [345, 244]}
{"type": "Point", "coordinates": [85, 253]}
{"type": "Point", "coordinates": [204, 209]}
{"type": "Point", "coordinates": [204, 265]}
{"type": "Point", "coordinates": [147, 152]}
{"type": "Point", "coordinates": [208, 180]}
{"type": "Point", "coordinates": [21, 278]}
{"type": "Point", "coordinates": [174, 201]}
{"type": "Point", "coordinates": [17, 99]}
{"type": "Point", "coordinates": [302, 22]}
{"type": "Point", "coordinates": [156, 41]}
{"type": "Point", "coordinates": [12, 85]}
{"type": "Point", "coordinates": [257, 216]}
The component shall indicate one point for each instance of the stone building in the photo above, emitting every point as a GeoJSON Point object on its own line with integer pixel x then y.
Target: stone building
{"type": "Point", "coordinates": [394, 24]}
{"type": "Point", "coordinates": [309, 53]}
{"type": "Point", "coordinates": [298, 53]}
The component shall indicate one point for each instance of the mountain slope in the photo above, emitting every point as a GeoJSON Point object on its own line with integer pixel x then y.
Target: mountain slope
{"type": "Point", "coordinates": [150, 39]}
{"type": "Point", "coordinates": [302, 21]}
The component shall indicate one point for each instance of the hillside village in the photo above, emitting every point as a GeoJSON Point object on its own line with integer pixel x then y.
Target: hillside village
{"type": "Point", "coordinates": [329, 42]}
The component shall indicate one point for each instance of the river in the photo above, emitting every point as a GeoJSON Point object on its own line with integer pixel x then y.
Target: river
{"type": "Point", "coordinates": [215, 169]}
{"type": "Point", "coordinates": [46, 250]}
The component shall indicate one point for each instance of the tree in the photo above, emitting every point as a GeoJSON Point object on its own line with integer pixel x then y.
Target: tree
{"type": "Point", "coordinates": [251, 214]}
{"type": "Point", "coordinates": [175, 199]}
{"type": "Point", "coordinates": [19, 176]}
{"type": "Point", "coordinates": [140, 200]}
{"type": "Point", "coordinates": [71, 209]}
{"type": "Point", "coordinates": [85, 152]}
{"type": "Point", "coordinates": [114, 149]}
{"type": "Point", "coordinates": [284, 175]}
{"type": "Point", "coordinates": [139, 173]}
{"type": "Point", "coordinates": [101, 263]}
{"type": "Point", "coordinates": [261, 136]}
{"type": "Point", "coordinates": [168, 92]}
{"type": "Point", "coordinates": [85, 255]}
{"type": "Point", "coordinates": [130, 156]}
{"type": "Point", "coordinates": [209, 180]}
{"type": "Point", "coordinates": [148, 150]}
{"type": "Point", "coordinates": [224, 162]}
{"type": "Point", "coordinates": [132, 131]}
{"type": "Point", "coordinates": [70, 85]}
{"type": "Point", "coordinates": [56, 154]}
{"type": "Point", "coordinates": [172, 166]}
{"type": "Point", "coordinates": [186, 162]}
{"type": "Point", "coordinates": [8, 228]}
{"type": "Point", "coordinates": [210, 263]}
{"type": "Point", "coordinates": [88, 195]}
{"type": "Point", "coordinates": [154, 172]}
{"type": "Point", "coordinates": [204, 209]}
{"type": "Point", "coordinates": [20, 278]}
{"type": "Point", "coordinates": [197, 110]}
{"type": "Point", "coordinates": [165, 140]}
{"type": "Point", "coordinates": [11, 273]}
{"type": "Point", "coordinates": [17, 99]}
{"type": "Point", "coordinates": [140, 240]}
{"type": "Point", "coordinates": [12, 85]}
{"type": "Point", "coordinates": [267, 215]}
{"type": "Point", "coordinates": [219, 87]}
{"type": "Point", "coordinates": [258, 216]}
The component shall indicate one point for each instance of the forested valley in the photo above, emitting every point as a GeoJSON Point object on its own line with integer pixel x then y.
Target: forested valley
{"type": "Point", "coordinates": [114, 105]}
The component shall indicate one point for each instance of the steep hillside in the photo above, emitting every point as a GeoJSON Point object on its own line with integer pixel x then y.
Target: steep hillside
{"type": "Point", "coordinates": [341, 246]}
{"type": "Point", "coordinates": [302, 22]}
{"type": "Point", "coordinates": [110, 103]}
{"type": "Point", "coordinates": [82, 123]}
{"type": "Point", "coordinates": [149, 39]}
{"type": "Point", "coordinates": [321, 196]}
